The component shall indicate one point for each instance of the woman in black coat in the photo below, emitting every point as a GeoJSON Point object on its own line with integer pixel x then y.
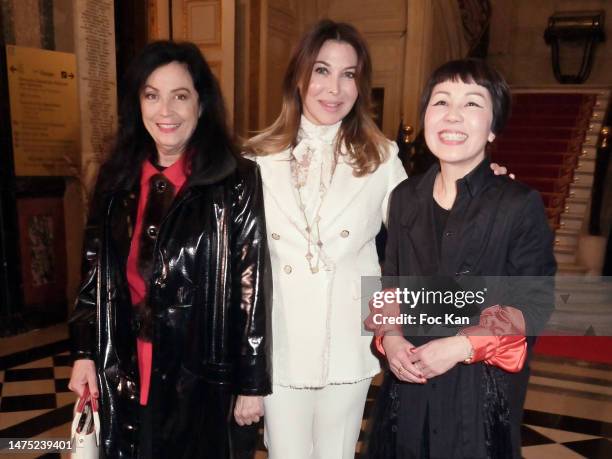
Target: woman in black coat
{"type": "Point", "coordinates": [171, 322]}
{"type": "Point", "coordinates": [461, 396]}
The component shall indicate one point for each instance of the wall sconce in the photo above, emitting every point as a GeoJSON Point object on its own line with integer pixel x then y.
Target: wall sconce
{"type": "Point", "coordinates": [586, 27]}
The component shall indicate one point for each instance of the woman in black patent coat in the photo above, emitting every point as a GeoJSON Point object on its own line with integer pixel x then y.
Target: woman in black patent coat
{"type": "Point", "coordinates": [208, 283]}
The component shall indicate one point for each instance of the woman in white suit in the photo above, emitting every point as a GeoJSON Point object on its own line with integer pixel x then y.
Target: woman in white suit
{"type": "Point", "coordinates": [327, 172]}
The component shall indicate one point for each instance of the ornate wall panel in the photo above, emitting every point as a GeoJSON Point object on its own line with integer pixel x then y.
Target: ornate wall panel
{"type": "Point", "coordinates": [158, 12]}
{"type": "Point", "coordinates": [211, 25]}
{"type": "Point", "coordinates": [203, 22]}
{"type": "Point", "coordinates": [367, 15]}
{"type": "Point", "coordinates": [279, 49]}
{"type": "Point", "coordinates": [43, 258]}
{"type": "Point", "coordinates": [280, 28]}
{"type": "Point", "coordinates": [289, 7]}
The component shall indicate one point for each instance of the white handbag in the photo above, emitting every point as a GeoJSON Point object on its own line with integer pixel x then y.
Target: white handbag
{"type": "Point", "coordinates": [85, 432]}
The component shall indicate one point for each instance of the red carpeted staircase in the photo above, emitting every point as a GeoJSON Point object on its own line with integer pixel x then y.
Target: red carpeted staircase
{"type": "Point", "coordinates": [550, 144]}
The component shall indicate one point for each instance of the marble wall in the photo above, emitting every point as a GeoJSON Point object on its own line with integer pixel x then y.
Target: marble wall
{"type": "Point", "coordinates": [45, 24]}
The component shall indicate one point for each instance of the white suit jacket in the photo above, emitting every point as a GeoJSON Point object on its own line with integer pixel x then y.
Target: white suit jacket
{"type": "Point", "coordinates": [316, 318]}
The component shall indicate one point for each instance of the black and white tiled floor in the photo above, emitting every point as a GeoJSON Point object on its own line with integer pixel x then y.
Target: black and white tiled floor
{"type": "Point", "coordinates": [568, 409]}
{"type": "Point", "coordinates": [34, 397]}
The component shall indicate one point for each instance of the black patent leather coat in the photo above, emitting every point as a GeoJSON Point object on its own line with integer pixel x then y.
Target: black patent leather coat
{"type": "Point", "coordinates": [209, 293]}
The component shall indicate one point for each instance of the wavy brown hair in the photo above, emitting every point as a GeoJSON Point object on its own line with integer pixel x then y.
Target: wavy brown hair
{"type": "Point", "coordinates": [363, 140]}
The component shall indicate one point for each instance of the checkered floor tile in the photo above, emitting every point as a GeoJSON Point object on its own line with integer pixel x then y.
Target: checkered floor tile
{"type": "Point", "coordinates": [35, 401]}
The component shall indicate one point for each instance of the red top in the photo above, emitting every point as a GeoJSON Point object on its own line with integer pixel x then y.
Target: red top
{"type": "Point", "coordinates": [176, 175]}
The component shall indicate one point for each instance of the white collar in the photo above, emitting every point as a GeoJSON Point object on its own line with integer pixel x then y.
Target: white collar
{"type": "Point", "coordinates": [324, 133]}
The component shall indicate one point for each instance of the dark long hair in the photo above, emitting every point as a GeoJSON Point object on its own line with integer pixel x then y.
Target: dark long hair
{"type": "Point", "coordinates": [358, 130]}
{"type": "Point", "coordinates": [210, 142]}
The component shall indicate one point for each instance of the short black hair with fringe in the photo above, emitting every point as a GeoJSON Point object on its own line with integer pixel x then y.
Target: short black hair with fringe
{"type": "Point", "coordinates": [473, 71]}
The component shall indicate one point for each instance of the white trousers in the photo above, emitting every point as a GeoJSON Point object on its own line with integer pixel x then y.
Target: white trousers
{"type": "Point", "coordinates": [314, 423]}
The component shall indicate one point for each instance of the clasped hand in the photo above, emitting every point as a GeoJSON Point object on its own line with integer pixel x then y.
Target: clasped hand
{"type": "Point", "coordinates": [418, 364]}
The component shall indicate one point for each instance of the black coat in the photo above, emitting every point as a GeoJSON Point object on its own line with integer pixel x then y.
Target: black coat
{"type": "Point", "coordinates": [497, 227]}
{"type": "Point", "coordinates": [209, 294]}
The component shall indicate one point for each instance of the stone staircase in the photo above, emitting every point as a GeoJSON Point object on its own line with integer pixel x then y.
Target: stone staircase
{"type": "Point", "coordinates": [577, 205]}
{"type": "Point", "coordinates": [557, 157]}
